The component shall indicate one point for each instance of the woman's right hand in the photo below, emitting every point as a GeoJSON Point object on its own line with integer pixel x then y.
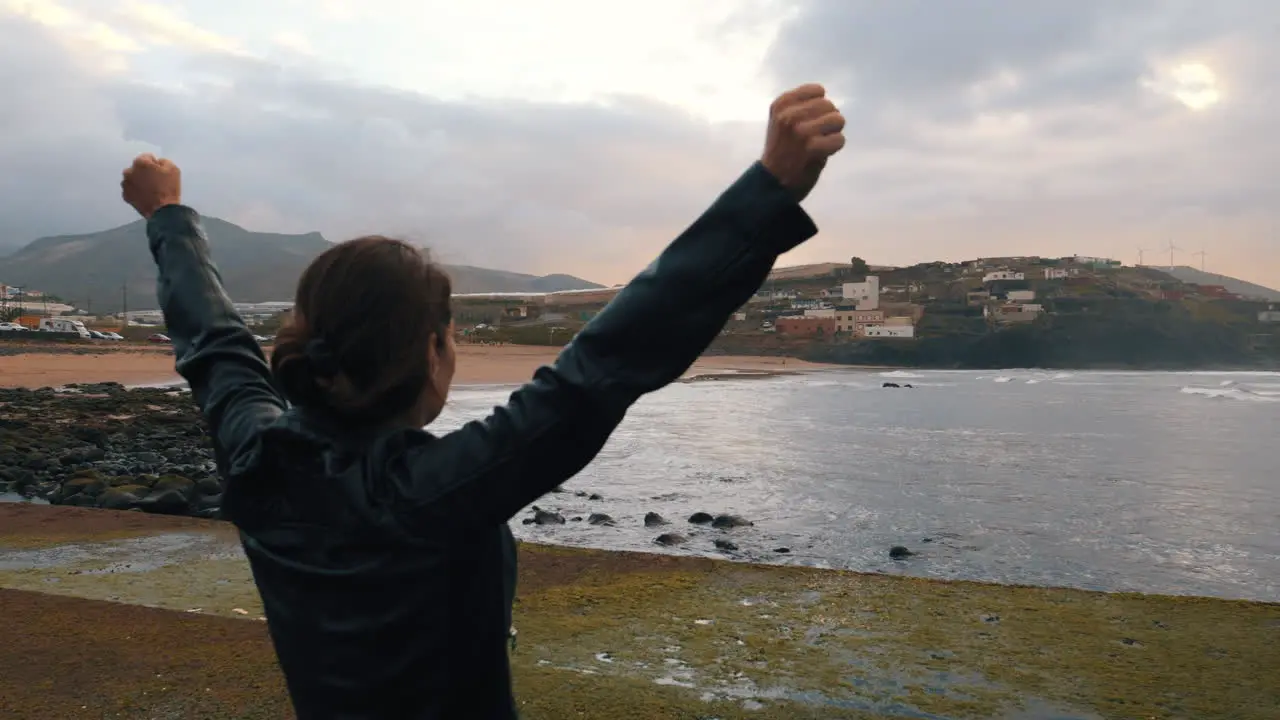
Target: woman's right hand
{"type": "Point", "coordinates": [150, 184]}
{"type": "Point", "coordinates": [805, 129]}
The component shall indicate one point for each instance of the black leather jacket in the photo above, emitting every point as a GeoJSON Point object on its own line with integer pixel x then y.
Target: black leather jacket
{"type": "Point", "coordinates": [384, 559]}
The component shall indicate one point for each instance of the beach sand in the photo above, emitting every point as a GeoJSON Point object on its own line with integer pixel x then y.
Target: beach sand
{"type": "Point", "coordinates": [128, 615]}
{"type": "Point", "coordinates": [477, 365]}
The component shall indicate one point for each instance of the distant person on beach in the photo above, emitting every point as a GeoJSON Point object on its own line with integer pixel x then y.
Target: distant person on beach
{"type": "Point", "coordinates": [382, 551]}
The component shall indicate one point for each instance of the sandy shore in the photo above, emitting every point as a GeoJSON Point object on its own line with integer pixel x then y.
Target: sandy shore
{"type": "Point", "coordinates": [128, 615]}
{"type": "Point", "coordinates": [477, 365]}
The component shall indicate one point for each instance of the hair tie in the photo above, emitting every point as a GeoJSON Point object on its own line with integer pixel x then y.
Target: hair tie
{"type": "Point", "coordinates": [321, 357]}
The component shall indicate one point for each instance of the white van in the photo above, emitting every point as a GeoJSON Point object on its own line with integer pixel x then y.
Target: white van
{"type": "Point", "coordinates": [64, 326]}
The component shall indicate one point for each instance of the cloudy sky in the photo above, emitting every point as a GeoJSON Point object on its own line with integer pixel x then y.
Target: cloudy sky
{"type": "Point", "coordinates": [578, 136]}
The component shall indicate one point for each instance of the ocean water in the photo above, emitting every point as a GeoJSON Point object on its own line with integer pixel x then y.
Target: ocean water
{"type": "Point", "coordinates": [1136, 481]}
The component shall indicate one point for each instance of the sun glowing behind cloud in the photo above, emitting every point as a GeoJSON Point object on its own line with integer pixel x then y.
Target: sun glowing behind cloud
{"type": "Point", "coordinates": [1193, 84]}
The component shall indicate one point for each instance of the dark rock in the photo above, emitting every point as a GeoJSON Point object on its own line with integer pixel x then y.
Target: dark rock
{"type": "Point", "coordinates": [576, 518]}
{"type": "Point", "coordinates": [898, 552]}
{"type": "Point", "coordinates": [890, 385]}
{"type": "Point", "coordinates": [782, 550]}
{"type": "Point", "coordinates": [701, 518]}
{"type": "Point", "coordinates": [653, 519]}
{"type": "Point", "coordinates": [166, 502]}
{"type": "Point", "coordinates": [543, 517]}
{"type": "Point", "coordinates": [208, 486]}
{"type": "Point", "coordinates": [726, 545]}
{"type": "Point", "coordinates": [91, 435]}
{"type": "Point", "coordinates": [724, 522]}
{"type": "Point", "coordinates": [208, 501]}
{"type": "Point", "coordinates": [176, 483]}
{"type": "Point", "coordinates": [559, 489]}
{"type": "Point", "coordinates": [86, 485]}
{"type": "Point", "coordinates": [117, 498]}
{"type": "Point", "coordinates": [79, 500]}
{"type": "Point", "coordinates": [527, 521]}
{"type": "Point", "coordinates": [595, 496]}
{"type": "Point", "coordinates": [600, 519]}
{"type": "Point", "coordinates": [670, 539]}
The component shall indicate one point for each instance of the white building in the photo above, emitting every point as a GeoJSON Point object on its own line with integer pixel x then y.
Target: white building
{"type": "Point", "coordinates": [889, 331]}
{"type": "Point", "coordinates": [1021, 296]}
{"type": "Point", "coordinates": [865, 293]}
{"type": "Point", "coordinates": [1003, 275]}
{"type": "Point", "coordinates": [1269, 316]}
{"type": "Point", "coordinates": [821, 313]}
{"type": "Point", "coordinates": [1055, 273]}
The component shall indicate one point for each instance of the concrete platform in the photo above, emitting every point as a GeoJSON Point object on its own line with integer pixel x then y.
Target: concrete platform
{"type": "Point", "coordinates": [125, 615]}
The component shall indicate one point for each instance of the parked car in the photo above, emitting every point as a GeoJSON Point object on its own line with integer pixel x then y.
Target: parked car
{"type": "Point", "coordinates": [97, 335]}
{"type": "Point", "coordinates": [11, 327]}
{"type": "Point", "coordinates": [158, 338]}
{"type": "Point", "coordinates": [113, 336]}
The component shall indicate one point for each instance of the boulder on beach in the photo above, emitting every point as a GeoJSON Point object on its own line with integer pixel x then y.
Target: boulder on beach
{"type": "Point", "coordinates": [653, 519]}
{"type": "Point", "coordinates": [600, 519]}
{"type": "Point", "coordinates": [670, 539]}
{"type": "Point", "coordinates": [118, 498]}
{"type": "Point", "coordinates": [701, 518]}
{"type": "Point", "coordinates": [725, 522]}
{"type": "Point", "coordinates": [546, 517]}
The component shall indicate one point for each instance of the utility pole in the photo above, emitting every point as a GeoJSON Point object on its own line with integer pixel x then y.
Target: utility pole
{"type": "Point", "coordinates": [124, 304]}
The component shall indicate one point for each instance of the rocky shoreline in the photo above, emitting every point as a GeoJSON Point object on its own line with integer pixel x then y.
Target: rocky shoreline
{"type": "Point", "coordinates": [105, 446]}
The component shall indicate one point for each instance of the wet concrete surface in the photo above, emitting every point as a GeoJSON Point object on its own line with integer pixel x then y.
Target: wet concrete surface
{"type": "Point", "coordinates": [620, 635]}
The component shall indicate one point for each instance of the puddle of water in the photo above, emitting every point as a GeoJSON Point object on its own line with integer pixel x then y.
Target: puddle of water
{"type": "Point", "coordinates": [13, 497]}
{"type": "Point", "coordinates": [133, 555]}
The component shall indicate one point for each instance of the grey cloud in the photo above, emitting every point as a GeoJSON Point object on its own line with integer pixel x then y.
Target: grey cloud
{"type": "Point", "coordinates": [508, 184]}
{"type": "Point", "coordinates": [1075, 157]}
{"type": "Point", "coordinates": [1085, 150]}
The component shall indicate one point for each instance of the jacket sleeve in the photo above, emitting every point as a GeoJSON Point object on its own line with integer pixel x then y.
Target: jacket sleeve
{"type": "Point", "coordinates": [216, 353]}
{"type": "Point", "coordinates": [647, 337]}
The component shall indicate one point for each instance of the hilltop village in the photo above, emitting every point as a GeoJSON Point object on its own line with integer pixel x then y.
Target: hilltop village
{"type": "Point", "coordinates": [989, 312]}
{"type": "Point", "coordinates": [978, 313]}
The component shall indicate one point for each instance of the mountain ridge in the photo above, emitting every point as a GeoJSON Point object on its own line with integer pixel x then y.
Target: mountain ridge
{"type": "Point", "coordinates": [108, 269]}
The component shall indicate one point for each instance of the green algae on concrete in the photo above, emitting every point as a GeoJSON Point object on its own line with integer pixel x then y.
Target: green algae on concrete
{"type": "Point", "coordinates": [615, 635]}
{"type": "Point", "coordinates": [836, 642]}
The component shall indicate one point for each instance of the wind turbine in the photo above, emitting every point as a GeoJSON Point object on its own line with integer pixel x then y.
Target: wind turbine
{"type": "Point", "coordinates": [1141, 250]}
{"type": "Point", "coordinates": [1172, 247]}
{"type": "Point", "coordinates": [1202, 253]}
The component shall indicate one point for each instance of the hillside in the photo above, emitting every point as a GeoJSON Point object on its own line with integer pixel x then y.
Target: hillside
{"type": "Point", "coordinates": [1239, 287]}
{"type": "Point", "coordinates": [94, 270]}
{"type": "Point", "coordinates": [471, 279]}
